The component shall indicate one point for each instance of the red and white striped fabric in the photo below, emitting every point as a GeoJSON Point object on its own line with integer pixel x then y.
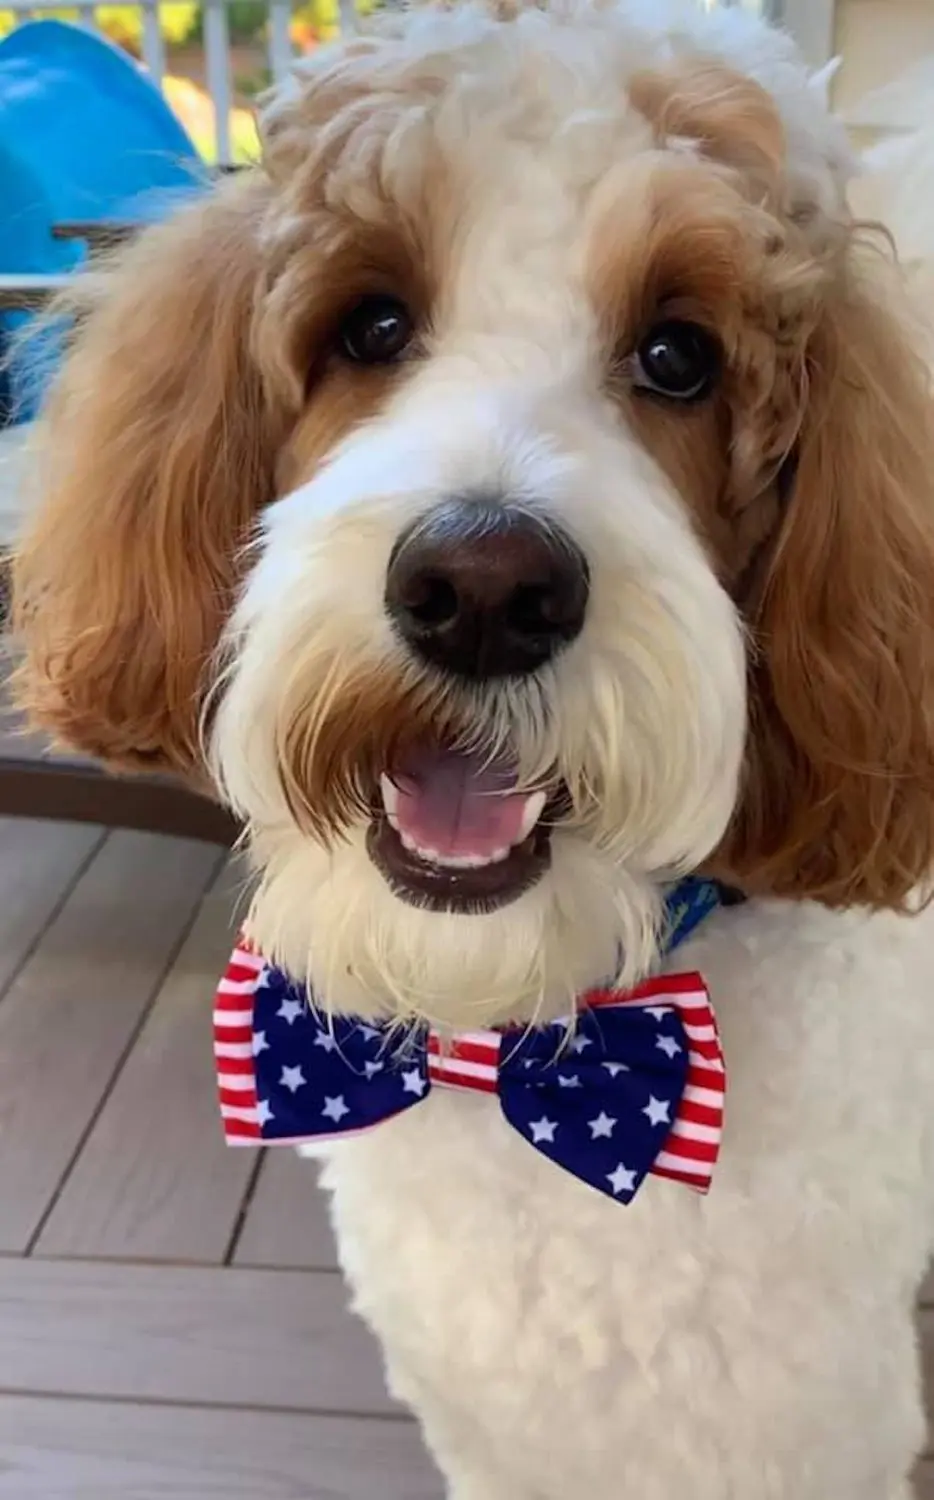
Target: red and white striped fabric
{"type": "Point", "coordinates": [691, 1150]}
{"type": "Point", "coordinates": [234, 1043]}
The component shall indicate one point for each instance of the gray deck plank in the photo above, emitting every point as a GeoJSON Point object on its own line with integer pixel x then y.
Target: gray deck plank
{"type": "Point", "coordinates": [71, 1012]}
{"type": "Point", "coordinates": [210, 1336]}
{"type": "Point", "coordinates": [155, 1180]}
{"type": "Point", "coordinates": [926, 1331]}
{"type": "Point", "coordinates": [287, 1223]}
{"type": "Point", "coordinates": [39, 862]}
{"type": "Point", "coordinates": [85, 1450]}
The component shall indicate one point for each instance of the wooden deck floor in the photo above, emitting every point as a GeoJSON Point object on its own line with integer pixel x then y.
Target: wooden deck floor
{"type": "Point", "coordinates": [172, 1325]}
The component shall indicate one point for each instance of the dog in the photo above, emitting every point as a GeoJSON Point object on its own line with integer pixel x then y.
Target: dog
{"type": "Point", "coordinates": [517, 495]}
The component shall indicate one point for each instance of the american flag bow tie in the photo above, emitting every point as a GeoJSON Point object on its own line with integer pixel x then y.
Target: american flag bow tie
{"type": "Point", "coordinates": [635, 1085]}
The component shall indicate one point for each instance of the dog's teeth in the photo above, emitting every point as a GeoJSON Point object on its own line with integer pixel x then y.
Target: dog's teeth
{"type": "Point", "coordinates": [451, 861]}
{"type": "Point", "coordinates": [390, 794]}
{"type": "Point", "coordinates": [534, 808]}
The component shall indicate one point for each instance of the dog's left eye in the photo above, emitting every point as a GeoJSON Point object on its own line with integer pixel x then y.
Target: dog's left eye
{"type": "Point", "coordinates": [377, 331]}
{"type": "Point", "coordinates": [679, 360]}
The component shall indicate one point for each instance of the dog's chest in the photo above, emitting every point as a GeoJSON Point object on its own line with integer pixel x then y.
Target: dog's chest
{"type": "Point", "coordinates": [494, 1277]}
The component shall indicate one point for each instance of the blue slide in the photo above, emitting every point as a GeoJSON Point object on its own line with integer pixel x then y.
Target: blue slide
{"type": "Point", "coordinates": [84, 135]}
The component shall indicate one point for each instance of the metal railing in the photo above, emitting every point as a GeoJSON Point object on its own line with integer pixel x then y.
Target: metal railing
{"type": "Point", "coordinates": [280, 50]}
{"type": "Point", "coordinates": [216, 41]}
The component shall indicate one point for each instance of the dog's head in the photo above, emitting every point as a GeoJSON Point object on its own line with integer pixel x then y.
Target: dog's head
{"type": "Point", "coordinates": [604, 545]}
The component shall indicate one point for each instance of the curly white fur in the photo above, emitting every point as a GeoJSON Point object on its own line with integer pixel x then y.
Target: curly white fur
{"type": "Point", "coordinates": [754, 1345]}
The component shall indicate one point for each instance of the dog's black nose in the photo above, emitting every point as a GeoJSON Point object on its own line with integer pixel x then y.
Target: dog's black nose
{"type": "Point", "coordinates": [480, 590]}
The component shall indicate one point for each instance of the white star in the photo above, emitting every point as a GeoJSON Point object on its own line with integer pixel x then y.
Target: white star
{"type": "Point", "coordinates": [335, 1109]}
{"type": "Point", "coordinates": [326, 1041]}
{"type": "Point", "coordinates": [369, 1033]}
{"type": "Point", "coordinates": [372, 1068]}
{"type": "Point", "coordinates": [603, 1125]}
{"type": "Point", "coordinates": [622, 1180]}
{"type": "Point", "coordinates": [413, 1082]}
{"type": "Point", "coordinates": [263, 1112]}
{"type": "Point", "coordinates": [260, 1043]}
{"type": "Point", "coordinates": [290, 1010]}
{"type": "Point", "coordinates": [292, 1079]}
{"type": "Point", "coordinates": [543, 1130]}
{"type": "Point", "coordinates": [658, 1012]}
{"type": "Point", "coordinates": [657, 1111]}
{"type": "Point", "coordinates": [668, 1045]}
{"type": "Point", "coordinates": [580, 1043]}
{"type": "Point", "coordinates": [568, 1081]}
{"type": "Point", "coordinates": [614, 1068]}
{"type": "Point", "coordinates": [264, 980]}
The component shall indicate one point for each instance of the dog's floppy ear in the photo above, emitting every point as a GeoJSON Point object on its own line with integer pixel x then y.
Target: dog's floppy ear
{"type": "Point", "coordinates": [839, 796]}
{"type": "Point", "coordinates": [158, 450]}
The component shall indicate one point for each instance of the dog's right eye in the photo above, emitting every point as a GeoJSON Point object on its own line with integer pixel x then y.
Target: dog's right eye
{"type": "Point", "coordinates": [377, 331]}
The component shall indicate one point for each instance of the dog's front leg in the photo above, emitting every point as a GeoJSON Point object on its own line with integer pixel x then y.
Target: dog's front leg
{"type": "Point", "coordinates": [483, 1486]}
{"type": "Point", "coordinates": [461, 1450]}
{"type": "Point", "coordinates": [470, 1473]}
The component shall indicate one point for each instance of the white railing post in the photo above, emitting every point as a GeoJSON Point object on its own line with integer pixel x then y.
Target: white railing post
{"type": "Point", "coordinates": [280, 39]}
{"type": "Point", "coordinates": [153, 45]}
{"type": "Point", "coordinates": [217, 70]}
{"type": "Point", "coordinates": [347, 11]}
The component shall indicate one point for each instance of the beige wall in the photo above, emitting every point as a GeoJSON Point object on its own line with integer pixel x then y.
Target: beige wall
{"type": "Point", "coordinates": [878, 41]}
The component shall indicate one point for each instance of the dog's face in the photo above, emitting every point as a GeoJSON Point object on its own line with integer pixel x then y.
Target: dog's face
{"type": "Point", "coordinates": [549, 332]}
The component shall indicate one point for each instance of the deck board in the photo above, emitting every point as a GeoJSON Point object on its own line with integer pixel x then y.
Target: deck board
{"type": "Point", "coordinates": [155, 1180]}
{"type": "Point", "coordinates": [39, 863]}
{"type": "Point", "coordinates": [71, 1012]}
{"type": "Point", "coordinates": [196, 1335]}
{"type": "Point", "coordinates": [287, 1223]}
{"type": "Point", "coordinates": [86, 1450]}
{"type": "Point", "coordinates": [926, 1329]}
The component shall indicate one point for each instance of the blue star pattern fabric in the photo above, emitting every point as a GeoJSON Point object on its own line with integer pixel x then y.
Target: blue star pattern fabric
{"type": "Point", "coordinates": [634, 1084]}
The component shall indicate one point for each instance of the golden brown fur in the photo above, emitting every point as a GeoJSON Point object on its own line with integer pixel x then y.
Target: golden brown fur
{"type": "Point", "coordinates": [180, 414]}
{"type": "Point", "coordinates": [839, 795]}
{"type": "Point", "coordinates": [161, 448]}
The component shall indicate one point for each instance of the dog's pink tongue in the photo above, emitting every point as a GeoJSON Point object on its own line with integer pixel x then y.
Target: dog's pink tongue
{"type": "Point", "coordinates": [462, 806]}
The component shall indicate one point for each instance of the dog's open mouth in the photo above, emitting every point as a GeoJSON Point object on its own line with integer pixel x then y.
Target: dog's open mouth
{"type": "Point", "coordinates": [454, 831]}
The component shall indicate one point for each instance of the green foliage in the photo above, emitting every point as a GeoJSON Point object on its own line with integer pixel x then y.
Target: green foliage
{"type": "Point", "coordinates": [124, 24]}
{"type": "Point", "coordinates": [181, 21]}
{"type": "Point", "coordinates": [245, 18]}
